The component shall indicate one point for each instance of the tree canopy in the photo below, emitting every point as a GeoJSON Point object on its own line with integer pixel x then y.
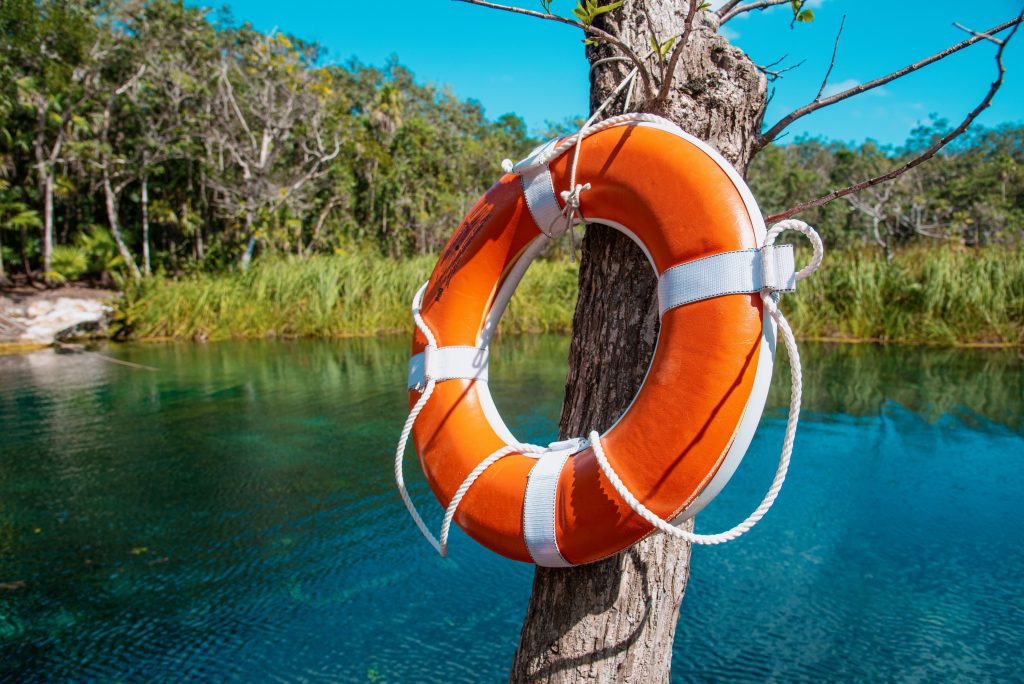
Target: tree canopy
{"type": "Point", "coordinates": [146, 135]}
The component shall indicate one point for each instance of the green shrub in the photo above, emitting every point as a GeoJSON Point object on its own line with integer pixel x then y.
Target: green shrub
{"type": "Point", "coordinates": [71, 263]}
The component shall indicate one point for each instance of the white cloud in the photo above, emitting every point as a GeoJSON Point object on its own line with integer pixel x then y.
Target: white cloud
{"type": "Point", "coordinates": [729, 33]}
{"type": "Point", "coordinates": [835, 88]}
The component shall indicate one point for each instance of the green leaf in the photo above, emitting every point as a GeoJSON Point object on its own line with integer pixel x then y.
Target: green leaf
{"type": "Point", "coordinates": [667, 46]}
{"type": "Point", "coordinates": [806, 15]}
{"type": "Point", "coordinates": [607, 8]}
{"type": "Point", "coordinates": [654, 45]}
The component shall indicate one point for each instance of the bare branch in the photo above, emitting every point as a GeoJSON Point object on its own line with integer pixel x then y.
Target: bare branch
{"type": "Point", "coordinates": [733, 10]}
{"type": "Point", "coordinates": [832, 62]}
{"type": "Point", "coordinates": [592, 30]}
{"type": "Point", "coordinates": [924, 156]}
{"type": "Point", "coordinates": [817, 104]}
{"type": "Point", "coordinates": [130, 83]}
{"type": "Point", "coordinates": [677, 52]}
{"type": "Point", "coordinates": [977, 33]}
{"type": "Point", "coordinates": [796, 12]}
{"type": "Point", "coordinates": [773, 74]}
{"type": "Point", "coordinates": [724, 9]}
{"type": "Point", "coordinates": [780, 60]}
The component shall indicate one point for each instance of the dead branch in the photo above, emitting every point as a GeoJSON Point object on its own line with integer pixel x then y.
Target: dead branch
{"type": "Point", "coordinates": [960, 26]}
{"type": "Point", "coordinates": [819, 103]}
{"type": "Point", "coordinates": [724, 9]}
{"type": "Point", "coordinates": [592, 30]}
{"type": "Point", "coordinates": [832, 62]}
{"type": "Point", "coordinates": [732, 9]}
{"type": "Point", "coordinates": [924, 156]}
{"type": "Point", "coordinates": [773, 74]}
{"type": "Point", "coordinates": [666, 80]}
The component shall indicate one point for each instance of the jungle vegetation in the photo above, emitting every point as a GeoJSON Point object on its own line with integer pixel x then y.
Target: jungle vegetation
{"type": "Point", "coordinates": [164, 149]}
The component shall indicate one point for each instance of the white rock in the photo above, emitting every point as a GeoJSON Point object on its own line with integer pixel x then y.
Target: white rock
{"type": "Point", "coordinates": [45, 319]}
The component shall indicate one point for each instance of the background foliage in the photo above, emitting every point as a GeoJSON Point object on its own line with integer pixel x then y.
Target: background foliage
{"type": "Point", "coordinates": [162, 148]}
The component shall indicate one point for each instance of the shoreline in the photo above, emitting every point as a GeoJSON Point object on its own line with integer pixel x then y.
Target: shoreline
{"type": "Point", "coordinates": [11, 348]}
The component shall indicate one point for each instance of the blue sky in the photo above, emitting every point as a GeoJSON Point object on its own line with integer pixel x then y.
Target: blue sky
{"type": "Point", "coordinates": [537, 70]}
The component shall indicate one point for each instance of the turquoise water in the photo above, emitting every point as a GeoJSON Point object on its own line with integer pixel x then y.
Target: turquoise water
{"type": "Point", "coordinates": [231, 516]}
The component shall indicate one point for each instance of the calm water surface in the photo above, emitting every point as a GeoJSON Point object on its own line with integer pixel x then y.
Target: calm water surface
{"type": "Point", "coordinates": [231, 516]}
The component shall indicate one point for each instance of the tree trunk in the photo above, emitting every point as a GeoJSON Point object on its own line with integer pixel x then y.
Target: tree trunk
{"type": "Point", "coordinates": [144, 201]}
{"type": "Point", "coordinates": [250, 242]}
{"type": "Point", "coordinates": [25, 265]}
{"type": "Point", "coordinates": [615, 620]}
{"type": "Point", "coordinates": [3, 274]}
{"type": "Point", "coordinates": [110, 198]}
{"type": "Point", "coordinates": [47, 220]}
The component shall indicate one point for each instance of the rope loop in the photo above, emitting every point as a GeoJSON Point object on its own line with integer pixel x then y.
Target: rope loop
{"type": "Point", "coordinates": [810, 233]}
{"type": "Point", "coordinates": [796, 384]}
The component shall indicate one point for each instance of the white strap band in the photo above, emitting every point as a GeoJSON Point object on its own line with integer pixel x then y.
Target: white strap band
{"type": "Point", "coordinates": [448, 363]}
{"type": "Point", "coordinates": [539, 510]}
{"type": "Point", "coordinates": [540, 503]}
{"type": "Point", "coordinates": [539, 191]}
{"type": "Point", "coordinates": [750, 270]}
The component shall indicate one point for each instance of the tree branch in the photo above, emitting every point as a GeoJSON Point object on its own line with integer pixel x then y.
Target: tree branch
{"type": "Point", "coordinates": [977, 33]}
{"type": "Point", "coordinates": [592, 30]}
{"type": "Point", "coordinates": [730, 9]}
{"type": "Point", "coordinates": [924, 156]}
{"type": "Point", "coordinates": [832, 62]}
{"type": "Point", "coordinates": [773, 74]}
{"type": "Point", "coordinates": [817, 103]}
{"type": "Point", "coordinates": [666, 80]}
{"type": "Point", "coordinates": [724, 9]}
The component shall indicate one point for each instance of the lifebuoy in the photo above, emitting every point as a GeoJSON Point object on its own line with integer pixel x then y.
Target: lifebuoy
{"type": "Point", "coordinates": [689, 425]}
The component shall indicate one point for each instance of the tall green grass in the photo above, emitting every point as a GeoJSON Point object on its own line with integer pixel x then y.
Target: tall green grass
{"type": "Point", "coordinates": [939, 296]}
{"type": "Point", "coordinates": [322, 296]}
{"type": "Point", "coordinates": [924, 296]}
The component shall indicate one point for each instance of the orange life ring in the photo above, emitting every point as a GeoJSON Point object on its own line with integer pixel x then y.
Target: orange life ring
{"type": "Point", "coordinates": [691, 422]}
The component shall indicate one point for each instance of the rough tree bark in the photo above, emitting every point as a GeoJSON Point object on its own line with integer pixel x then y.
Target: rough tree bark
{"type": "Point", "coordinates": [615, 620]}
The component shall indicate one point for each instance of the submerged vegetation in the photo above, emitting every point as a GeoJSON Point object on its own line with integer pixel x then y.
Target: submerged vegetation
{"type": "Point", "coordinates": [920, 297]}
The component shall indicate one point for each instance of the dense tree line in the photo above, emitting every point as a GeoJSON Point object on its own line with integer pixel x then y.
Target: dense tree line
{"type": "Point", "coordinates": [144, 135]}
{"type": "Point", "coordinates": [137, 135]}
{"type": "Point", "coordinates": [970, 194]}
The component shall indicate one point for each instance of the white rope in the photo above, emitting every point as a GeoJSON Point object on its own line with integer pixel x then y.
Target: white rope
{"type": "Point", "coordinates": [428, 389]}
{"type": "Point", "coordinates": [796, 378]}
{"type": "Point", "coordinates": [449, 513]}
{"type": "Point", "coordinates": [440, 543]}
{"type": "Point", "coordinates": [571, 197]}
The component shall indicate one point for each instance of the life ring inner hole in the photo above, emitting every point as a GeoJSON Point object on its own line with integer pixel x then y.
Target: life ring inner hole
{"type": "Point", "coordinates": [500, 304]}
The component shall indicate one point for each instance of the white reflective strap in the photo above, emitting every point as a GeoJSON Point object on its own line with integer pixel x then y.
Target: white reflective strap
{"type": "Point", "coordinates": [448, 363]}
{"type": "Point", "coordinates": [749, 270]}
{"type": "Point", "coordinates": [535, 154]}
{"type": "Point", "coordinates": [539, 509]}
{"type": "Point", "coordinates": [539, 191]}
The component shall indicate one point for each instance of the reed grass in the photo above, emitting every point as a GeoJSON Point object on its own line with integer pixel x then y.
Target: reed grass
{"type": "Point", "coordinates": [938, 296]}
{"type": "Point", "coordinates": [344, 295]}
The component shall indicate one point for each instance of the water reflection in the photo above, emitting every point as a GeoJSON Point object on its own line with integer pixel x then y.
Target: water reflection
{"type": "Point", "coordinates": [232, 515]}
